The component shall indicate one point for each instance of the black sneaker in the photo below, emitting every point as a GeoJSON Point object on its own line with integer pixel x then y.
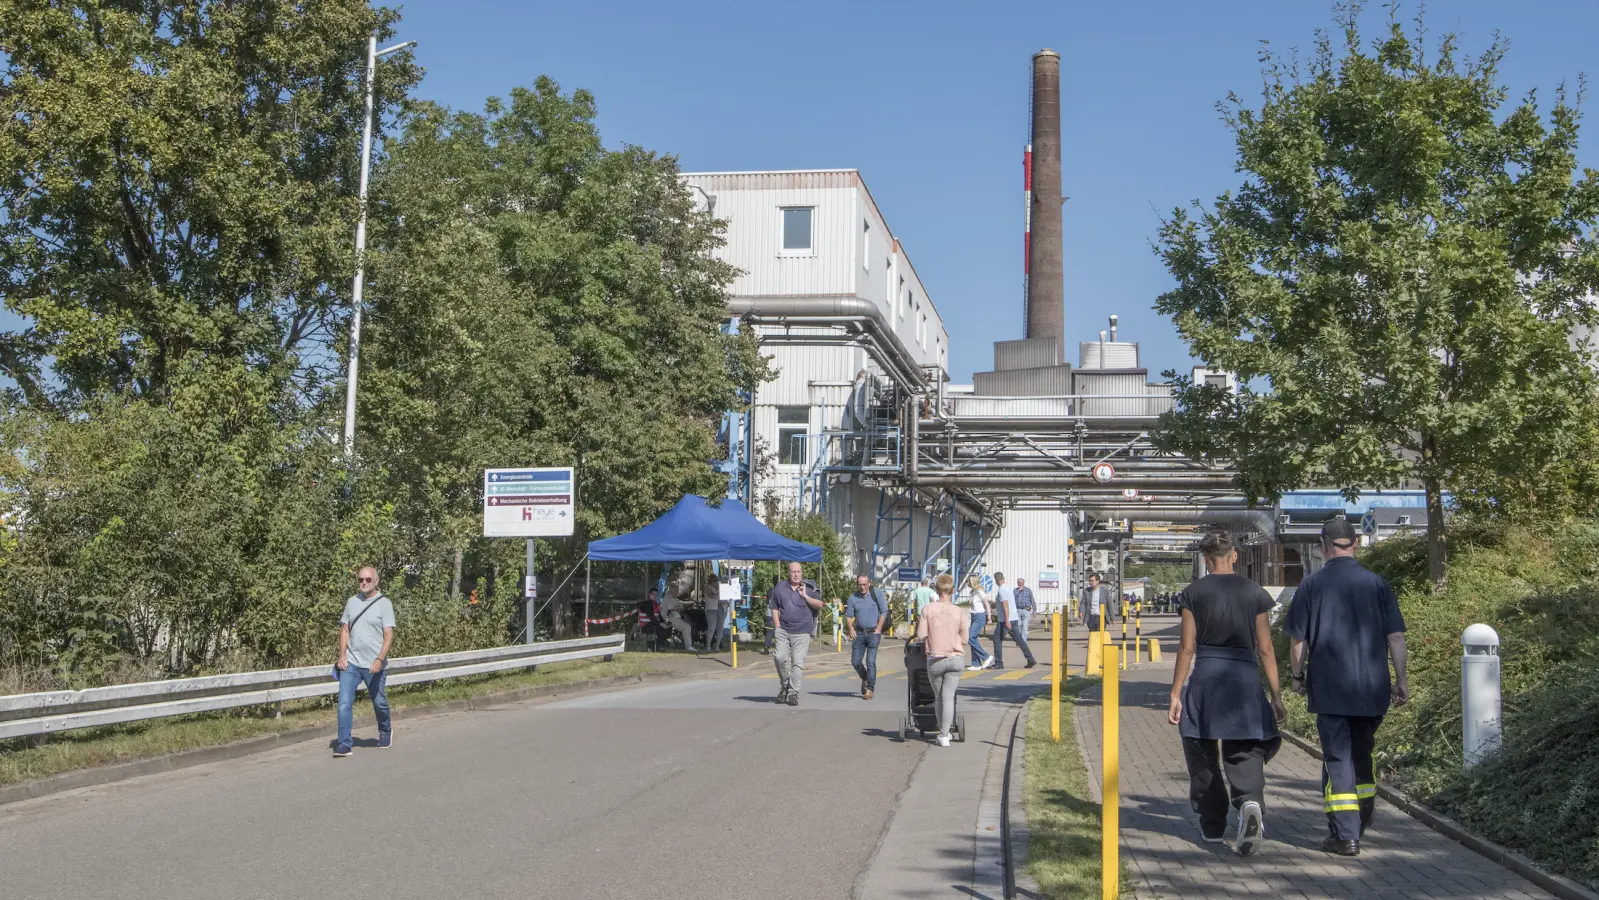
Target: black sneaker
{"type": "Point", "coordinates": [782, 696]}
{"type": "Point", "coordinates": [341, 751]}
{"type": "Point", "coordinates": [793, 698]}
{"type": "Point", "coordinates": [1030, 664]}
{"type": "Point", "coordinates": [1340, 848]}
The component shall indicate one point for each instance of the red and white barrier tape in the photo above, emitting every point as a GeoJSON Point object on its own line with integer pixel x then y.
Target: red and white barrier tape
{"type": "Point", "coordinates": [626, 615]}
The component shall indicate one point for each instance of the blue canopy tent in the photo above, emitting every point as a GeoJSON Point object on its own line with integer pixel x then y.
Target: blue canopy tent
{"type": "Point", "coordinates": [693, 529]}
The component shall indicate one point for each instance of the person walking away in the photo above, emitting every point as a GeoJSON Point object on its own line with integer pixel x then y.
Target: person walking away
{"type": "Point", "coordinates": [1005, 623]}
{"type": "Point", "coordinates": [1025, 606]}
{"type": "Point", "coordinates": [944, 630]}
{"type": "Point", "coordinates": [979, 609]}
{"type": "Point", "coordinates": [920, 597]}
{"type": "Point", "coordinates": [366, 633]}
{"type": "Point", "coordinates": [793, 605]}
{"type": "Point", "coordinates": [1094, 608]}
{"type": "Point", "coordinates": [866, 616]}
{"type": "Point", "coordinates": [1216, 703]}
{"type": "Point", "coordinates": [1344, 625]}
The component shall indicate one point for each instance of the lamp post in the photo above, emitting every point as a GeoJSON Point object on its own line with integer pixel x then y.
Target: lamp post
{"type": "Point", "coordinates": [373, 54]}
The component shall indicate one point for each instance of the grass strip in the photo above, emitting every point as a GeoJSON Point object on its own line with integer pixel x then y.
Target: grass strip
{"type": "Point", "coordinates": [26, 759]}
{"type": "Point", "coordinates": [1062, 821]}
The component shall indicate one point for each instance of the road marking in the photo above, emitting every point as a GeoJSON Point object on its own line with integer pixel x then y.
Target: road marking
{"type": "Point", "coordinates": [1012, 676]}
{"type": "Point", "coordinates": [966, 675]}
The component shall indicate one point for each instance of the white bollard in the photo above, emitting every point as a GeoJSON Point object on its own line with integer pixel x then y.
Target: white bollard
{"type": "Point", "coordinates": [1479, 693]}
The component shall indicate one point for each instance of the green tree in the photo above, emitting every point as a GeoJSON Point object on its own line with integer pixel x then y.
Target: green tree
{"type": "Point", "coordinates": [177, 180]}
{"type": "Point", "coordinates": [543, 300]}
{"type": "Point", "coordinates": [1394, 282]}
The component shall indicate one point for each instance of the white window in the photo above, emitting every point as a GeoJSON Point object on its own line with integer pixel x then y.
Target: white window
{"type": "Point", "coordinates": [792, 424]}
{"type": "Point", "coordinates": [866, 245]}
{"type": "Point", "coordinates": [797, 229]}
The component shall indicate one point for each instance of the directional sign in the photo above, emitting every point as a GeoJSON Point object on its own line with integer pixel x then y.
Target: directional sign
{"type": "Point", "coordinates": [910, 574]}
{"type": "Point", "coordinates": [528, 502]}
{"type": "Point", "coordinates": [1049, 580]}
{"type": "Point", "coordinates": [1368, 523]}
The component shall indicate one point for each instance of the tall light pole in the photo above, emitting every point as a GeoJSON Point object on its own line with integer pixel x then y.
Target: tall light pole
{"type": "Point", "coordinates": [373, 54]}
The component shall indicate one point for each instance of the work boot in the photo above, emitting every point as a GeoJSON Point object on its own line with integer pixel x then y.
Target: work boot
{"type": "Point", "coordinates": [1340, 847]}
{"type": "Point", "coordinates": [868, 694]}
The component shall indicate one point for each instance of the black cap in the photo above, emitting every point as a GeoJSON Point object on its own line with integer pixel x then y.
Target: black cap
{"type": "Point", "coordinates": [1338, 532]}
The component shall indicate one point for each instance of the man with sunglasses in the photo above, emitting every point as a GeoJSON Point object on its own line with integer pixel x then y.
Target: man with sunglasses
{"type": "Point", "coordinates": [366, 633]}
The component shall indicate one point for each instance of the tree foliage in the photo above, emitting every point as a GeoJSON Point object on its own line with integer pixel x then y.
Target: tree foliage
{"type": "Point", "coordinates": [1394, 283]}
{"type": "Point", "coordinates": [177, 196]}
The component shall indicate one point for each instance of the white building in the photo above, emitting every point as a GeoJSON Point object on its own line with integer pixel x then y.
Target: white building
{"type": "Point", "coordinates": [844, 315]}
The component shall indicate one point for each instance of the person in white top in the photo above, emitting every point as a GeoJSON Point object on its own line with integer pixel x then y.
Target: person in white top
{"type": "Point", "coordinates": [979, 598]}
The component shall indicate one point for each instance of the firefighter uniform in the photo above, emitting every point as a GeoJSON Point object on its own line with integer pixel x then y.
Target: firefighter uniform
{"type": "Point", "coordinates": [1344, 613]}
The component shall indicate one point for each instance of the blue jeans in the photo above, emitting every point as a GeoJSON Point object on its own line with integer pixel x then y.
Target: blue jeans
{"type": "Point", "coordinates": [1024, 618]}
{"type": "Point", "coordinates": [349, 679]}
{"type": "Point", "coordinates": [863, 653]}
{"type": "Point", "coordinates": [975, 638]}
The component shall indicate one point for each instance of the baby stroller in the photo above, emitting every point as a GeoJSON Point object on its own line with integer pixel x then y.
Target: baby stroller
{"type": "Point", "coordinates": [921, 710]}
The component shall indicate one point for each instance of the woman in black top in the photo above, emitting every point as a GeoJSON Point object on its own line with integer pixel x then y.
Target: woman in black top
{"type": "Point", "coordinates": [1225, 631]}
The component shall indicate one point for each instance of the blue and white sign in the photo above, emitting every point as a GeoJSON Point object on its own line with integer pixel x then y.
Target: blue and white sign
{"type": "Point", "coordinates": [528, 502]}
{"type": "Point", "coordinates": [910, 574]}
{"type": "Point", "coordinates": [1368, 523]}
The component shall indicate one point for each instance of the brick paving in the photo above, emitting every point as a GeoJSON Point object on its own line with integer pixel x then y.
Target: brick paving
{"type": "Point", "coordinates": [1399, 858]}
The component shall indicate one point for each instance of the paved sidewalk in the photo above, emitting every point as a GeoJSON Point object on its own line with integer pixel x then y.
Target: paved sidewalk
{"type": "Point", "coordinates": [1399, 858]}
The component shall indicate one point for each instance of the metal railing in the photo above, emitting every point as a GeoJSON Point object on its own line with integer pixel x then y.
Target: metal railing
{"type": "Point", "coordinates": [51, 711]}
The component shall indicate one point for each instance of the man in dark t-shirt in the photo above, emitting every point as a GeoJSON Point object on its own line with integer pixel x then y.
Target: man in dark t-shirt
{"type": "Point", "coordinates": [1345, 624]}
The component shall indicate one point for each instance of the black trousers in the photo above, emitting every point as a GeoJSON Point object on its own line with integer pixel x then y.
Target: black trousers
{"type": "Point", "coordinates": [1348, 778]}
{"type": "Point", "coordinates": [1245, 766]}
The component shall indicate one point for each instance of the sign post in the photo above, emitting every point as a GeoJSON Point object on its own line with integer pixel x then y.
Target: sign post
{"type": "Point", "coordinates": [529, 503]}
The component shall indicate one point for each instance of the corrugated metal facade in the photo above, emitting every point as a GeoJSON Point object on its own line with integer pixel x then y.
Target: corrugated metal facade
{"type": "Point", "coordinates": [1118, 355]}
{"type": "Point", "coordinates": [1015, 407]}
{"type": "Point", "coordinates": [1043, 382]}
{"type": "Point", "coordinates": [854, 253]}
{"type": "Point", "coordinates": [1031, 541]}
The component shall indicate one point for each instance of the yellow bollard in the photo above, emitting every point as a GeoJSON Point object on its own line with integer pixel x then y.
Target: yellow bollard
{"type": "Point", "coordinates": [1110, 809]}
{"type": "Point", "coordinates": [1096, 646]}
{"type": "Point", "coordinates": [1056, 662]}
{"type": "Point", "coordinates": [732, 641]}
{"type": "Point", "coordinates": [1154, 650]}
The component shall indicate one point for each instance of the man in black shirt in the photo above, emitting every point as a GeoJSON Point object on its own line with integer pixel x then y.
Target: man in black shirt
{"type": "Point", "coordinates": [1346, 619]}
{"type": "Point", "coordinates": [1224, 631]}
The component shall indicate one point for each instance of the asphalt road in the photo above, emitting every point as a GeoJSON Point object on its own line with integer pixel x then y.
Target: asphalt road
{"type": "Point", "coordinates": [702, 788]}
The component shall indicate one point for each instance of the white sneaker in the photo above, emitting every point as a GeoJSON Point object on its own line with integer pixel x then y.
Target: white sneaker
{"type": "Point", "coordinates": [988, 663]}
{"type": "Point", "coordinates": [974, 668]}
{"type": "Point", "coordinates": [943, 740]}
{"type": "Point", "coordinates": [1251, 828]}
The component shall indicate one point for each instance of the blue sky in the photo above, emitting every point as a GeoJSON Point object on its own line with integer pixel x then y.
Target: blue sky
{"type": "Point", "coordinates": [929, 100]}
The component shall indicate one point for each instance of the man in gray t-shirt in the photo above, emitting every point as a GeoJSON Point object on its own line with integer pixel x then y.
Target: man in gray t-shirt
{"type": "Point", "coordinates": [366, 633]}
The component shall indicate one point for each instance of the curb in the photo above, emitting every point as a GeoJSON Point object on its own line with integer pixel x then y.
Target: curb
{"type": "Point", "coordinates": [1017, 836]}
{"type": "Point", "coordinates": [114, 772]}
{"type": "Point", "coordinates": [1559, 885]}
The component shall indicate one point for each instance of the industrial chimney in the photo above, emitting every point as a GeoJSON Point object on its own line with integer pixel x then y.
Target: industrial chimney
{"type": "Point", "coordinates": [1046, 269]}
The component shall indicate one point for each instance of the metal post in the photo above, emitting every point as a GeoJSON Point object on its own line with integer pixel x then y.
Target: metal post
{"type": "Point", "coordinates": [1110, 808]}
{"type": "Point", "coordinates": [360, 254]}
{"type": "Point", "coordinates": [530, 590]}
{"type": "Point", "coordinates": [1138, 632]}
{"type": "Point", "coordinates": [1481, 722]}
{"type": "Point", "coordinates": [1057, 661]}
{"type": "Point", "coordinates": [588, 572]}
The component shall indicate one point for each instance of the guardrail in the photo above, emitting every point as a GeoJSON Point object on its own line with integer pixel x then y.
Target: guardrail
{"type": "Point", "coordinates": [51, 711]}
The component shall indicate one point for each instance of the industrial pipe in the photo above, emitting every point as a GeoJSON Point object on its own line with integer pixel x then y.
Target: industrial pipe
{"type": "Point", "coordinates": [1261, 520]}
{"type": "Point", "coordinates": [833, 310]}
